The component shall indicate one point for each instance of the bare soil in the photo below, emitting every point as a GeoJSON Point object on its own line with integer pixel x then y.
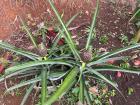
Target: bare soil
{"type": "Point", "coordinates": [112, 21]}
{"type": "Point", "coordinates": [14, 97]}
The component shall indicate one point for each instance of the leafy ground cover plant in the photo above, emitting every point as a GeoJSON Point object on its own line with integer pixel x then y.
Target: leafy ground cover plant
{"type": "Point", "coordinates": [103, 39]}
{"type": "Point", "coordinates": [64, 65]}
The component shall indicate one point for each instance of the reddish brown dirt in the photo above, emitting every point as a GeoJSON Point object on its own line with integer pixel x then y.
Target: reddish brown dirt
{"type": "Point", "coordinates": [14, 98]}
{"type": "Point", "coordinates": [40, 11]}
{"type": "Point", "coordinates": [125, 82]}
{"type": "Point", "coordinates": [10, 10]}
{"type": "Point", "coordinates": [112, 21]}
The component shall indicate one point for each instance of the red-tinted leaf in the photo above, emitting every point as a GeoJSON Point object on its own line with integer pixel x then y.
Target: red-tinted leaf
{"type": "Point", "coordinates": [51, 33]}
{"type": "Point", "coordinates": [8, 56]}
{"type": "Point", "coordinates": [1, 68]}
{"type": "Point", "coordinates": [94, 90]}
{"type": "Point", "coordinates": [61, 42]}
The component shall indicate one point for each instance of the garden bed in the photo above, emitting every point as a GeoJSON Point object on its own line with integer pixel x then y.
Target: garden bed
{"type": "Point", "coordinates": [112, 25]}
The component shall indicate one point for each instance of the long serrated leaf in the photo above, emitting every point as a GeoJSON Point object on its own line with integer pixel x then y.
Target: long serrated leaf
{"type": "Point", "coordinates": [52, 76]}
{"type": "Point", "coordinates": [71, 19]}
{"type": "Point", "coordinates": [90, 36]}
{"type": "Point", "coordinates": [68, 35]}
{"type": "Point", "coordinates": [9, 47]}
{"type": "Point", "coordinates": [68, 82]}
{"type": "Point", "coordinates": [75, 52]}
{"type": "Point", "coordinates": [27, 94]}
{"type": "Point", "coordinates": [87, 96]}
{"type": "Point", "coordinates": [118, 51]}
{"type": "Point", "coordinates": [135, 14]}
{"type": "Point", "coordinates": [105, 79]}
{"type": "Point", "coordinates": [82, 86]}
{"type": "Point", "coordinates": [8, 75]}
{"type": "Point", "coordinates": [105, 60]}
{"type": "Point", "coordinates": [44, 85]}
{"type": "Point", "coordinates": [56, 75]}
{"type": "Point", "coordinates": [58, 37]}
{"type": "Point", "coordinates": [29, 33]}
{"type": "Point", "coordinates": [102, 77]}
{"type": "Point", "coordinates": [115, 68]}
{"type": "Point", "coordinates": [31, 81]}
{"type": "Point", "coordinates": [33, 64]}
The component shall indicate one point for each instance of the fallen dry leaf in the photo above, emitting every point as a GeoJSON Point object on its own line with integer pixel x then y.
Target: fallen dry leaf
{"type": "Point", "coordinates": [50, 29]}
{"type": "Point", "coordinates": [110, 101]}
{"type": "Point", "coordinates": [51, 34]}
{"type": "Point", "coordinates": [111, 61]}
{"type": "Point", "coordinates": [94, 90]}
{"type": "Point", "coordinates": [134, 56]}
{"type": "Point", "coordinates": [102, 49]}
{"type": "Point", "coordinates": [105, 90]}
{"type": "Point", "coordinates": [119, 74]}
{"type": "Point", "coordinates": [137, 62]}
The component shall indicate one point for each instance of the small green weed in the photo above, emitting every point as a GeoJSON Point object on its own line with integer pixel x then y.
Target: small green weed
{"type": "Point", "coordinates": [125, 65]}
{"type": "Point", "coordinates": [124, 39]}
{"type": "Point", "coordinates": [104, 39]}
{"type": "Point", "coordinates": [130, 91]}
{"type": "Point", "coordinates": [17, 92]}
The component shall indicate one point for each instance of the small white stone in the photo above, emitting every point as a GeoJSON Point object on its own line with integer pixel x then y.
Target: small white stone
{"type": "Point", "coordinates": [41, 25]}
{"type": "Point", "coordinates": [87, 12]}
